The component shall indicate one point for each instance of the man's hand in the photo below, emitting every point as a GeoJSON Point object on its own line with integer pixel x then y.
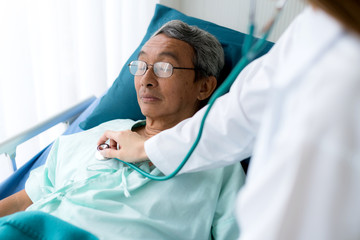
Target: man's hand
{"type": "Point", "coordinates": [124, 145]}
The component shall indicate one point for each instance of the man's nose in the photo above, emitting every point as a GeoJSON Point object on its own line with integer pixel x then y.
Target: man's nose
{"type": "Point", "coordinates": [149, 79]}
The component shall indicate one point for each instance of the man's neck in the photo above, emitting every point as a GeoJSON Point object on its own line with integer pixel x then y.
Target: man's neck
{"type": "Point", "coordinates": [154, 127]}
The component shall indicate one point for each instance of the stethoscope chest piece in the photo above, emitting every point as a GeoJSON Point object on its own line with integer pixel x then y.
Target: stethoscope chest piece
{"type": "Point", "coordinates": [98, 154]}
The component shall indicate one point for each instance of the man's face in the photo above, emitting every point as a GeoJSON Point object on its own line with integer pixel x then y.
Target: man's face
{"type": "Point", "coordinates": [167, 99]}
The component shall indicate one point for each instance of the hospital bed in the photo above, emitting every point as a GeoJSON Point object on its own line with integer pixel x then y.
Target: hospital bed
{"type": "Point", "coordinates": [120, 100]}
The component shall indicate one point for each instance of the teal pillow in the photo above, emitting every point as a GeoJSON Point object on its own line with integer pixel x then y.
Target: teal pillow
{"type": "Point", "coordinates": [120, 101]}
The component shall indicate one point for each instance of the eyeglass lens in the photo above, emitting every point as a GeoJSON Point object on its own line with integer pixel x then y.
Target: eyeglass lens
{"type": "Point", "coordinates": [161, 69]}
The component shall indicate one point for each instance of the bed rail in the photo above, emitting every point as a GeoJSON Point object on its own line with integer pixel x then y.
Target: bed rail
{"type": "Point", "coordinates": [9, 145]}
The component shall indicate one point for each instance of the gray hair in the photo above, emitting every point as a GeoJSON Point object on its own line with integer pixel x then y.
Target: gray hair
{"type": "Point", "coordinates": [209, 54]}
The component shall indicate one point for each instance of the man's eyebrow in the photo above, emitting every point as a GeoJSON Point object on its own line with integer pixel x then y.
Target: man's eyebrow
{"type": "Point", "coordinates": [168, 54]}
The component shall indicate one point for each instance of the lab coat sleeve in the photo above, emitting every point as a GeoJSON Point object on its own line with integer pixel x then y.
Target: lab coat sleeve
{"type": "Point", "coordinates": [229, 131]}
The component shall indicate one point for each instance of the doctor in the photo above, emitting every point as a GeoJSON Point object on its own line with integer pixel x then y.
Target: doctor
{"type": "Point", "coordinates": [297, 112]}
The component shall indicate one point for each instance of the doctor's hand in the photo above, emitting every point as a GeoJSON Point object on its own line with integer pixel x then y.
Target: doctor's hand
{"type": "Point", "coordinates": [131, 146]}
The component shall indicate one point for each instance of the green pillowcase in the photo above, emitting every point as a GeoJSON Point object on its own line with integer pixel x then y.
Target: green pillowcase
{"type": "Point", "coordinates": [120, 101]}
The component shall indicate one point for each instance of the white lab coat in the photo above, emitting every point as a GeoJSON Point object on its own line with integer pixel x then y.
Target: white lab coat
{"type": "Point", "coordinates": [302, 102]}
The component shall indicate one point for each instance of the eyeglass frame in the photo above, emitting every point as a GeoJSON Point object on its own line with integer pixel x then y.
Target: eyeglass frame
{"type": "Point", "coordinates": [147, 67]}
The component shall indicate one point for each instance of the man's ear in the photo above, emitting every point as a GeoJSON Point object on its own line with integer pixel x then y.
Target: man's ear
{"type": "Point", "coordinates": [207, 87]}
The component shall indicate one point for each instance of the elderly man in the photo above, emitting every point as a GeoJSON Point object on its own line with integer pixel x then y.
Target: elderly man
{"type": "Point", "coordinates": [175, 73]}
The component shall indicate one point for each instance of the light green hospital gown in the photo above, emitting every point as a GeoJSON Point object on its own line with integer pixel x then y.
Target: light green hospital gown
{"type": "Point", "coordinates": [112, 201]}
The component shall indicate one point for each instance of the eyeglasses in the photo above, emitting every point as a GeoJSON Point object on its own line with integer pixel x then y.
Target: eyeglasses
{"type": "Point", "coordinates": [161, 69]}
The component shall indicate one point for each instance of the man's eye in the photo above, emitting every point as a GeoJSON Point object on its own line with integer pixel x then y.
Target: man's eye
{"type": "Point", "coordinates": [165, 67]}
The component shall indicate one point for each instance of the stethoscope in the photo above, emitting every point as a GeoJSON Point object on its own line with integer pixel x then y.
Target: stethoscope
{"type": "Point", "coordinates": [100, 148]}
{"type": "Point", "coordinates": [250, 50]}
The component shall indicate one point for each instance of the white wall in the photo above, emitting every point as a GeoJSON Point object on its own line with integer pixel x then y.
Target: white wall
{"type": "Point", "coordinates": [234, 13]}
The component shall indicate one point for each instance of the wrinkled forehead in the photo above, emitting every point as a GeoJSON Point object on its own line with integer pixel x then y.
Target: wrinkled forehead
{"type": "Point", "coordinates": [161, 46]}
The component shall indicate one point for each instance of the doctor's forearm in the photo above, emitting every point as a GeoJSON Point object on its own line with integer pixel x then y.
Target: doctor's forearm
{"type": "Point", "coordinates": [14, 203]}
